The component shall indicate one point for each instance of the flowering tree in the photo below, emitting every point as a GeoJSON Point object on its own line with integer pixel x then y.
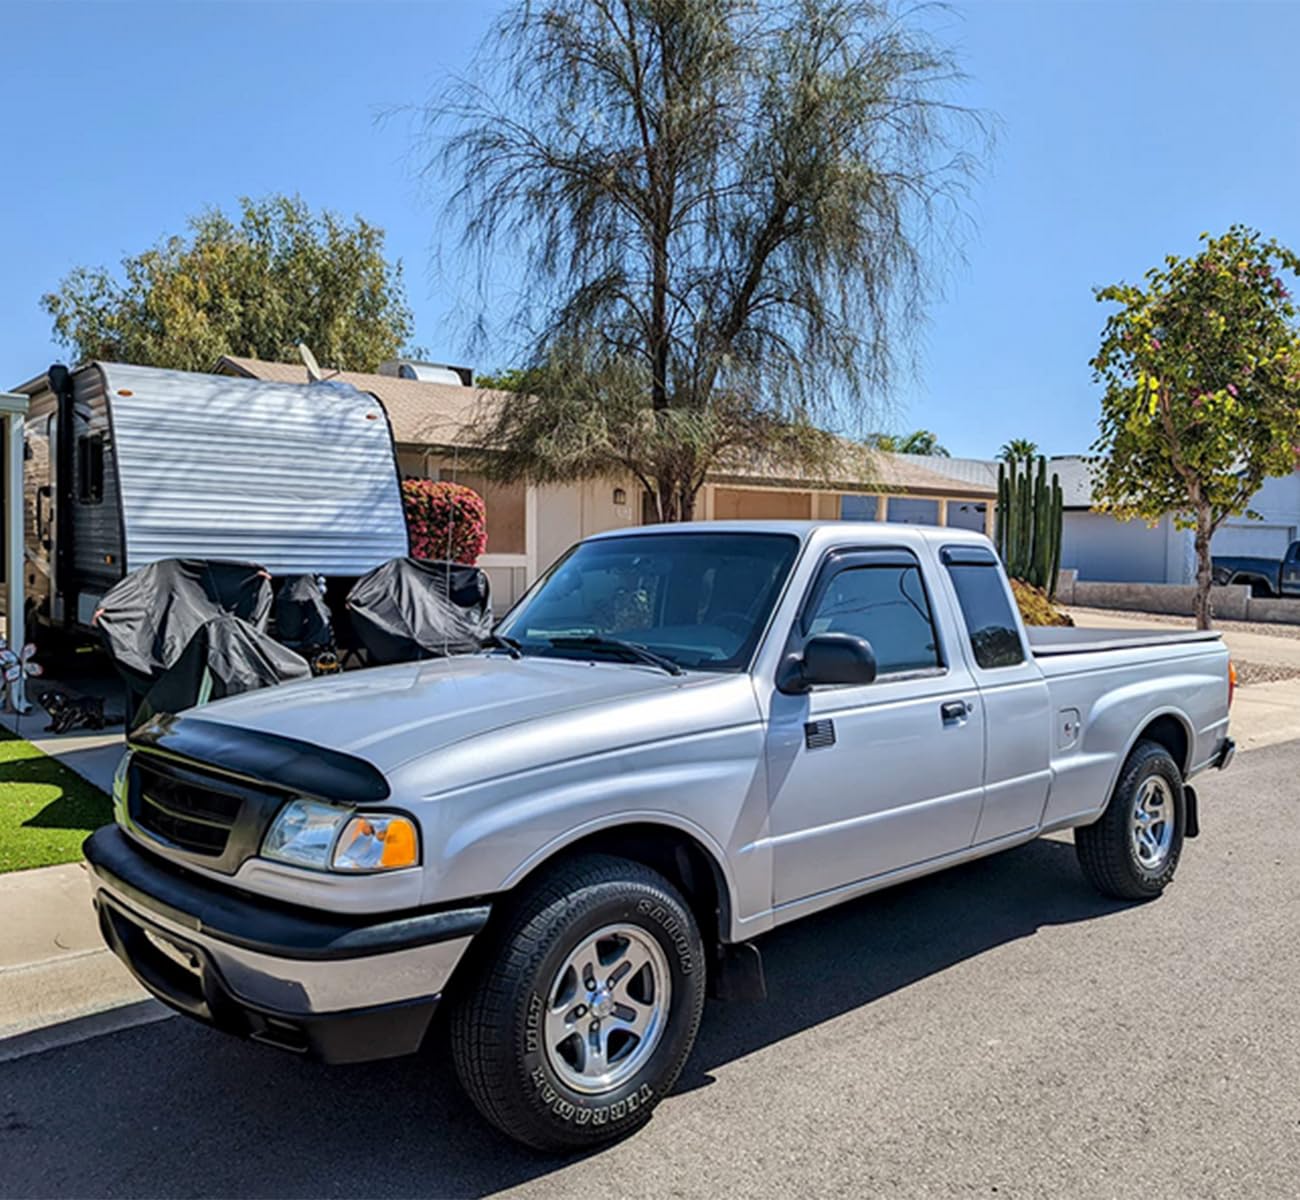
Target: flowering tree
{"type": "Point", "coordinates": [447, 521]}
{"type": "Point", "coordinates": [1201, 367]}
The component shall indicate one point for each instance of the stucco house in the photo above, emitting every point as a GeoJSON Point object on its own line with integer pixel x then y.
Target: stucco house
{"type": "Point", "coordinates": [530, 527]}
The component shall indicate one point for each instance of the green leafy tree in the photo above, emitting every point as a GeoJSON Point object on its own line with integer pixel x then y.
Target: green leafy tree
{"type": "Point", "coordinates": [919, 441]}
{"type": "Point", "coordinates": [720, 212]}
{"type": "Point", "coordinates": [512, 379]}
{"type": "Point", "coordinates": [258, 286]}
{"type": "Point", "coordinates": [1201, 366]}
{"type": "Point", "coordinates": [1018, 450]}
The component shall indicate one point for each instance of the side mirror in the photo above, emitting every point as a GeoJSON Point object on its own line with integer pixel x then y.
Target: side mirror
{"type": "Point", "coordinates": [828, 658]}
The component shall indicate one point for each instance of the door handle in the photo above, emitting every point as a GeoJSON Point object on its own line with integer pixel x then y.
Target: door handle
{"type": "Point", "coordinates": [953, 711]}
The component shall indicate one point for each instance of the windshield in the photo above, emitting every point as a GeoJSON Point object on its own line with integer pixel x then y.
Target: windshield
{"type": "Point", "coordinates": [700, 600]}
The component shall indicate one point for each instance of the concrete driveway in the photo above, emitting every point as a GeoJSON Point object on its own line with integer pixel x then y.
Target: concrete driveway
{"type": "Point", "coordinates": [995, 1030]}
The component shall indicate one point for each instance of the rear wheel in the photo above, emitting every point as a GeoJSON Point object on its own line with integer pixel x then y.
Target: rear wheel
{"type": "Point", "coordinates": [586, 1007]}
{"type": "Point", "coordinates": [1133, 849]}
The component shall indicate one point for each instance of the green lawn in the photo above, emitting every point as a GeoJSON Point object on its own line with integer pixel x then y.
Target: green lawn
{"type": "Point", "coordinates": [46, 809]}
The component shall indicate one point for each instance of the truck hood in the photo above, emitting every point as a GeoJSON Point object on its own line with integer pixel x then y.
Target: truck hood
{"type": "Point", "coordinates": [390, 715]}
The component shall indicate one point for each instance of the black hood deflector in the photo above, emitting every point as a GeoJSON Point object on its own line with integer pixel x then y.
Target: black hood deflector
{"type": "Point", "coordinates": [266, 758]}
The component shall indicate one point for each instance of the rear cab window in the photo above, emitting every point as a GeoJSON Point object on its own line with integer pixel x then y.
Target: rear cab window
{"type": "Point", "coordinates": [985, 606]}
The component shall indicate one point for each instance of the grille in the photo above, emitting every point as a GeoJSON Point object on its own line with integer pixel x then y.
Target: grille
{"type": "Point", "coordinates": [183, 812]}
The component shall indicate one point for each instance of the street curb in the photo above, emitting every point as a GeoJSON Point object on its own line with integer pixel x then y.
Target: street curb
{"type": "Point", "coordinates": [83, 1028]}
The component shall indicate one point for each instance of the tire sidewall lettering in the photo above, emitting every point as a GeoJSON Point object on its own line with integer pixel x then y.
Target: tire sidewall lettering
{"type": "Point", "coordinates": [532, 1024]}
{"type": "Point", "coordinates": [672, 928]}
{"type": "Point", "coordinates": [589, 1114]}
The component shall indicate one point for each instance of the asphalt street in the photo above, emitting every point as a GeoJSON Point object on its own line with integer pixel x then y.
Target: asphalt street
{"type": "Point", "coordinates": [994, 1030]}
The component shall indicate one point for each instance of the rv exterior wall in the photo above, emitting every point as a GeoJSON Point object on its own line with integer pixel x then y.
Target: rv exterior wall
{"type": "Point", "coordinates": [301, 479]}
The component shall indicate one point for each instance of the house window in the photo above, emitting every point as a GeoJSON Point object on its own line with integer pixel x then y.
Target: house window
{"type": "Point", "coordinates": [90, 468]}
{"type": "Point", "coordinates": [908, 510]}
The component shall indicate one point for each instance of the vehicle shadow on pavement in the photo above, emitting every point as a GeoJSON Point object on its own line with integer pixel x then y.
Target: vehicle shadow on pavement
{"type": "Point", "coordinates": [172, 1109]}
{"type": "Point", "coordinates": [858, 952]}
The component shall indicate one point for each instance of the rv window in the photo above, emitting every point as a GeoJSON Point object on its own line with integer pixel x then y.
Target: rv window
{"type": "Point", "coordinates": [90, 468]}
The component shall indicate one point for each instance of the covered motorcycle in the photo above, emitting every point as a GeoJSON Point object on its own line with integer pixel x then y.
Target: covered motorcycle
{"type": "Point", "coordinates": [147, 619]}
{"type": "Point", "coordinates": [411, 608]}
{"type": "Point", "coordinates": [225, 656]}
{"type": "Point", "coordinates": [302, 616]}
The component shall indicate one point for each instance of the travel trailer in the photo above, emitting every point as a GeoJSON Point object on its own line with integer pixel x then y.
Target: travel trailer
{"type": "Point", "coordinates": [127, 465]}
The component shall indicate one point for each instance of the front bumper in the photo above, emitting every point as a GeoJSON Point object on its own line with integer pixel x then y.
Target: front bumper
{"type": "Point", "coordinates": [342, 988]}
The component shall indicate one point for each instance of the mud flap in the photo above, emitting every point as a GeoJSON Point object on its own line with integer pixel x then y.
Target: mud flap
{"type": "Point", "coordinates": [737, 973]}
{"type": "Point", "coordinates": [1192, 809]}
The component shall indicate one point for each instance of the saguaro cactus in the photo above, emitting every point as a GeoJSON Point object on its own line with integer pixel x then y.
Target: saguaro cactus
{"type": "Point", "coordinates": [1027, 530]}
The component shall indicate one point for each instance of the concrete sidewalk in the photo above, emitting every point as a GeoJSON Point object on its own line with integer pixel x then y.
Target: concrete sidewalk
{"type": "Point", "coordinates": [54, 966]}
{"type": "Point", "coordinates": [94, 756]}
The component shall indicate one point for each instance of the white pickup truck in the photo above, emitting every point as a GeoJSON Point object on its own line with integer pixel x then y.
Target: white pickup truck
{"type": "Point", "coordinates": [680, 738]}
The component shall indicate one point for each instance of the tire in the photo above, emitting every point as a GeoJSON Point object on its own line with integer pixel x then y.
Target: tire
{"type": "Point", "coordinates": [541, 1088]}
{"type": "Point", "coordinates": [1117, 858]}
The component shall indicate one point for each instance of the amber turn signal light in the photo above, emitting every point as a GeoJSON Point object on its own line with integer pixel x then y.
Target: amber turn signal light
{"type": "Point", "coordinates": [377, 842]}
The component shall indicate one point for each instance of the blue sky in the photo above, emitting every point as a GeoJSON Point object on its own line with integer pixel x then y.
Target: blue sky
{"type": "Point", "coordinates": [1124, 130]}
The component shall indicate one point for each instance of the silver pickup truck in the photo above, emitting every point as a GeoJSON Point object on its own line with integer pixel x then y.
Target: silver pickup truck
{"type": "Point", "coordinates": [680, 738]}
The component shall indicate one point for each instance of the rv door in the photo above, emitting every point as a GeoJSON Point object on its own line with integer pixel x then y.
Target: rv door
{"type": "Point", "coordinates": [39, 525]}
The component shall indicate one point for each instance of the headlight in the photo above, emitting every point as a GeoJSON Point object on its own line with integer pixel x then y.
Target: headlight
{"type": "Point", "coordinates": [309, 833]}
{"type": "Point", "coordinates": [303, 833]}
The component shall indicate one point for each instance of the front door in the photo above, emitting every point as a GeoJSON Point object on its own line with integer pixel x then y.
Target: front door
{"type": "Point", "coordinates": [871, 779]}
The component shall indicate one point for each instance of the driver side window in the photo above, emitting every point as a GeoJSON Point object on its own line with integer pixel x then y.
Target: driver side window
{"type": "Point", "coordinates": [887, 605]}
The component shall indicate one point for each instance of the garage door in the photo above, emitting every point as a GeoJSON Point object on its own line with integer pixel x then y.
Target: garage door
{"type": "Point", "coordinates": [1254, 539]}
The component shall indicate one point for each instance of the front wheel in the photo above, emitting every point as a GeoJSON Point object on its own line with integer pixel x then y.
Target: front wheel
{"type": "Point", "coordinates": [585, 1009]}
{"type": "Point", "coordinates": [1132, 850]}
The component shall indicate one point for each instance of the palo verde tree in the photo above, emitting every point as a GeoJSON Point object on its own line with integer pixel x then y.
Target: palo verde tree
{"type": "Point", "coordinates": [720, 213]}
{"type": "Point", "coordinates": [256, 286]}
{"type": "Point", "coordinates": [1201, 366]}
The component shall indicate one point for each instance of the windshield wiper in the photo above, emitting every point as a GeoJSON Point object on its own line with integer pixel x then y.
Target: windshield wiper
{"type": "Point", "coordinates": [499, 641]}
{"type": "Point", "coordinates": [595, 641]}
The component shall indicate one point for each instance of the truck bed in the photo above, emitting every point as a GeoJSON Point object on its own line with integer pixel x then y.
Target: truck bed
{"type": "Point", "coordinates": [1051, 641]}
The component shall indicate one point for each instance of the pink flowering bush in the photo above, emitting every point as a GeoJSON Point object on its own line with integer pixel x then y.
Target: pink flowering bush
{"type": "Point", "coordinates": [445, 520]}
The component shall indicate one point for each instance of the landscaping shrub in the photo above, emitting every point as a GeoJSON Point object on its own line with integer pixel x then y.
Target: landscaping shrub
{"type": "Point", "coordinates": [446, 520]}
{"type": "Point", "coordinates": [1035, 607]}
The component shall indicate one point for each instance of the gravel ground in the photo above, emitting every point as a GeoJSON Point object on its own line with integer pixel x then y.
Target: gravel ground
{"type": "Point", "coordinates": [1253, 672]}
